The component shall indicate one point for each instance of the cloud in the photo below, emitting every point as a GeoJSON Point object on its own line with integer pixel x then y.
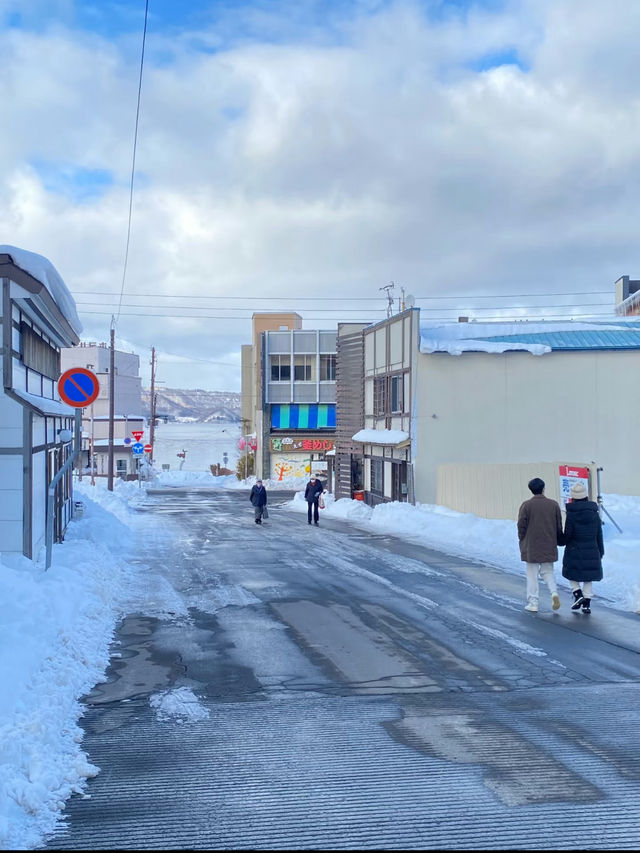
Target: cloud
{"type": "Point", "coordinates": [485, 149]}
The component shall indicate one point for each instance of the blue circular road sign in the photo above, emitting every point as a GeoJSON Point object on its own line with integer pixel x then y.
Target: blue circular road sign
{"type": "Point", "coordinates": [137, 448]}
{"type": "Point", "coordinates": [78, 387]}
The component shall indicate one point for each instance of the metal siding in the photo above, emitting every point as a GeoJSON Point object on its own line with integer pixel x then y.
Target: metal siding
{"type": "Point", "coordinates": [576, 340]}
{"type": "Point", "coordinates": [349, 408]}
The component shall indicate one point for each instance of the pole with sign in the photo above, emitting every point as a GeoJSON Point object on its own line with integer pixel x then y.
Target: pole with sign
{"type": "Point", "coordinates": [78, 387]}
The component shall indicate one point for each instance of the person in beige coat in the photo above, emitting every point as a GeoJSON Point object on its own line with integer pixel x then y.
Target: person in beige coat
{"type": "Point", "coordinates": [539, 534]}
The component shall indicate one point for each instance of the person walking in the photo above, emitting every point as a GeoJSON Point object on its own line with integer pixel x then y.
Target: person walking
{"type": "Point", "coordinates": [584, 547]}
{"type": "Point", "coordinates": [312, 496]}
{"type": "Point", "coordinates": [258, 498]}
{"type": "Point", "coordinates": [539, 534]}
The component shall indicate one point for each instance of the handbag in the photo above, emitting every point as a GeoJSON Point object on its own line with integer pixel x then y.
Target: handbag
{"type": "Point", "coordinates": [320, 503]}
{"type": "Point", "coordinates": [265, 513]}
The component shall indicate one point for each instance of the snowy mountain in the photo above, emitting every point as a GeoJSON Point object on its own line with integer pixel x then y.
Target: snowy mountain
{"type": "Point", "coordinates": [178, 404]}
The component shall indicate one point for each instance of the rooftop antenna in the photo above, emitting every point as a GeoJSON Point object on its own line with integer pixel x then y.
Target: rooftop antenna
{"type": "Point", "coordinates": [389, 288]}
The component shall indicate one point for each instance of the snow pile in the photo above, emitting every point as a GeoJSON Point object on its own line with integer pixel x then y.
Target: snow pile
{"type": "Point", "coordinates": [180, 705]}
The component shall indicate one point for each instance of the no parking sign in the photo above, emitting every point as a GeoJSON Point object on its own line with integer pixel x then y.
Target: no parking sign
{"type": "Point", "coordinates": [78, 387]}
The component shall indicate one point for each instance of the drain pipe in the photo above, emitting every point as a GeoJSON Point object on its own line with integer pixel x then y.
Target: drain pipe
{"type": "Point", "coordinates": [51, 491]}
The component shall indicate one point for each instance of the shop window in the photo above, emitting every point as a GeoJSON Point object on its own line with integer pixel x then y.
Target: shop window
{"type": "Point", "coordinates": [377, 476]}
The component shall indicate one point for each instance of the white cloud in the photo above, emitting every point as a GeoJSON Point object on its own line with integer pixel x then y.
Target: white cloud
{"type": "Point", "coordinates": [329, 166]}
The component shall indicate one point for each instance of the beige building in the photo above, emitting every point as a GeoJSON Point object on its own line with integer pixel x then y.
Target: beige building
{"type": "Point", "coordinates": [251, 378]}
{"type": "Point", "coordinates": [496, 394]}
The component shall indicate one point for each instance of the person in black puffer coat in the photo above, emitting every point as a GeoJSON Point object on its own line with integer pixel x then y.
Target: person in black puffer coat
{"type": "Point", "coordinates": [584, 547]}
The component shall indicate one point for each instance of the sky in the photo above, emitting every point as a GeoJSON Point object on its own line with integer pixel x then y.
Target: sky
{"type": "Point", "coordinates": [318, 156]}
{"type": "Point", "coordinates": [58, 625]}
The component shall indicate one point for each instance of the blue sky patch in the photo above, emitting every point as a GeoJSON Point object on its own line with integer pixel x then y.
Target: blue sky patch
{"type": "Point", "coordinates": [73, 181]}
{"type": "Point", "coordinates": [507, 56]}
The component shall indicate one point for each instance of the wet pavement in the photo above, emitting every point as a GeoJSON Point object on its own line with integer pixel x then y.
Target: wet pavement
{"type": "Point", "coordinates": [354, 691]}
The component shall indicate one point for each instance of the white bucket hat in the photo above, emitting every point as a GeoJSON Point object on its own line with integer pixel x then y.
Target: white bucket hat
{"type": "Point", "coordinates": [579, 492]}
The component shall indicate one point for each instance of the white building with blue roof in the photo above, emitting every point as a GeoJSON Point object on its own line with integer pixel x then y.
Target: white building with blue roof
{"type": "Point", "coordinates": [480, 394]}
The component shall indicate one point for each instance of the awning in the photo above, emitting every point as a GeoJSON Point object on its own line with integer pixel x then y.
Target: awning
{"type": "Point", "coordinates": [389, 437]}
{"type": "Point", "coordinates": [43, 405]}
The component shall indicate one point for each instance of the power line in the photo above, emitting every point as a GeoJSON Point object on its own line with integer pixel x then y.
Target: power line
{"type": "Point", "coordinates": [347, 298]}
{"type": "Point", "coordinates": [356, 310]}
{"type": "Point", "coordinates": [505, 318]}
{"type": "Point", "coordinates": [133, 161]}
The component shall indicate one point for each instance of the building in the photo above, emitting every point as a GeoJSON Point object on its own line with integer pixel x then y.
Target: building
{"type": "Point", "coordinates": [39, 319]}
{"type": "Point", "coordinates": [349, 456]}
{"type": "Point", "coordinates": [481, 396]}
{"type": "Point", "coordinates": [391, 350]}
{"type": "Point", "coordinates": [289, 386]}
{"type": "Point", "coordinates": [252, 379]}
{"type": "Point", "coordinates": [627, 296]}
{"type": "Point", "coordinates": [128, 415]}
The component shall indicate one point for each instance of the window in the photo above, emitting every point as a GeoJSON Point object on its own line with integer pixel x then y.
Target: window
{"type": "Point", "coordinates": [280, 368]}
{"type": "Point", "coordinates": [397, 394]}
{"type": "Point", "coordinates": [377, 476]}
{"type": "Point", "coordinates": [379, 396]}
{"type": "Point", "coordinates": [38, 354]}
{"type": "Point", "coordinates": [327, 367]}
{"type": "Point", "coordinates": [304, 368]}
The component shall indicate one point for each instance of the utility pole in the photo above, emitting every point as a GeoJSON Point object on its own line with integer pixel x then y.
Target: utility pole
{"type": "Point", "coordinates": [112, 380]}
{"type": "Point", "coordinates": [152, 404]}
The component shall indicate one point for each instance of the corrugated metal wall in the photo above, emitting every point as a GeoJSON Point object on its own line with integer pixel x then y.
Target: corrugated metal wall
{"type": "Point", "coordinates": [497, 491]}
{"type": "Point", "coordinates": [349, 408]}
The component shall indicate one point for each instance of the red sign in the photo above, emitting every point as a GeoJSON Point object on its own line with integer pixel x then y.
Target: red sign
{"type": "Point", "coordinates": [78, 387]}
{"type": "Point", "coordinates": [148, 448]}
{"type": "Point", "coordinates": [569, 476]}
{"type": "Point", "coordinates": [137, 434]}
{"type": "Point", "coordinates": [569, 471]}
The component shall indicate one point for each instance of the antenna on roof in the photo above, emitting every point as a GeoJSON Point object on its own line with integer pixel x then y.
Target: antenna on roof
{"type": "Point", "coordinates": [389, 288]}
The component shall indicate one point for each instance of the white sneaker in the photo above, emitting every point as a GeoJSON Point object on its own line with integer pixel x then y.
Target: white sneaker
{"type": "Point", "coordinates": [532, 608]}
{"type": "Point", "coordinates": [555, 601]}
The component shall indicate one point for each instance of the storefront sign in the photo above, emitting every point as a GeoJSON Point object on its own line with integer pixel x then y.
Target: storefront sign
{"type": "Point", "coordinates": [569, 475]}
{"type": "Point", "coordinates": [287, 443]}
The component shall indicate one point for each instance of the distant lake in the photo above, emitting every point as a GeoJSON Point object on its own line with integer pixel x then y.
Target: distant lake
{"type": "Point", "coordinates": [204, 445]}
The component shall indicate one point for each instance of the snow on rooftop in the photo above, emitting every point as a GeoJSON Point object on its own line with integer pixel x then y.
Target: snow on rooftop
{"type": "Point", "coordinates": [456, 338]}
{"type": "Point", "coordinates": [381, 436]}
{"type": "Point", "coordinates": [41, 268]}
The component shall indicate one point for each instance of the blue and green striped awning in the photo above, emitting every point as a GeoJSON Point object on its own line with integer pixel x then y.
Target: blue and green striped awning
{"type": "Point", "coordinates": [303, 416]}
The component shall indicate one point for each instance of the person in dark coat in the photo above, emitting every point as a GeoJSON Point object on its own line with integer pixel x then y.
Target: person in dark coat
{"type": "Point", "coordinates": [539, 533]}
{"type": "Point", "coordinates": [258, 498]}
{"type": "Point", "coordinates": [312, 496]}
{"type": "Point", "coordinates": [584, 547]}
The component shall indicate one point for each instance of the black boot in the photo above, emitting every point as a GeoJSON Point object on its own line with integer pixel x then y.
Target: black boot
{"type": "Point", "coordinates": [586, 605]}
{"type": "Point", "coordinates": [578, 598]}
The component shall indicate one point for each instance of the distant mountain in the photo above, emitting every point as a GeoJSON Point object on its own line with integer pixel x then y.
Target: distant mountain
{"type": "Point", "coordinates": [178, 404]}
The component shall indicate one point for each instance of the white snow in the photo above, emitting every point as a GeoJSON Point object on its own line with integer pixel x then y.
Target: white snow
{"type": "Point", "coordinates": [41, 268]}
{"type": "Point", "coordinates": [456, 338]}
{"type": "Point", "coordinates": [57, 625]}
{"type": "Point", "coordinates": [381, 436]}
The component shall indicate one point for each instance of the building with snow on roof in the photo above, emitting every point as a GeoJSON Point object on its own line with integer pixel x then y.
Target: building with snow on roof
{"type": "Point", "coordinates": [38, 319]}
{"type": "Point", "coordinates": [459, 414]}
